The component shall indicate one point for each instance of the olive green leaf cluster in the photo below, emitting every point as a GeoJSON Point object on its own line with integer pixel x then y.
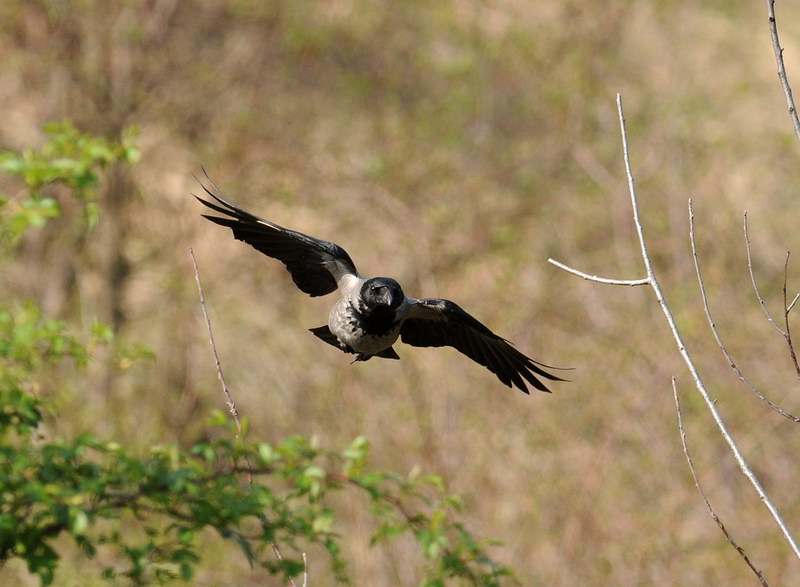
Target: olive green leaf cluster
{"type": "Point", "coordinates": [69, 158]}
{"type": "Point", "coordinates": [145, 514]}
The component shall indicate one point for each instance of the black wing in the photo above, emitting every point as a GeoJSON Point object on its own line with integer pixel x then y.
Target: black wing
{"type": "Point", "coordinates": [316, 265]}
{"type": "Point", "coordinates": [434, 322]}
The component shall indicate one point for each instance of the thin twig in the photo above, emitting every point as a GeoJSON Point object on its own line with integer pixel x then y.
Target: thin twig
{"type": "Point", "coordinates": [634, 203]}
{"type": "Point", "coordinates": [711, 511]}
{"type": "Point", "coordinates": [568, 269]}
{"type": "Point", "coordinates": [713, 326]}
{"type": "Point", "coordinates": [785, 332]}
{"type": "Point", "coordinates": [753, 279]}
{"type": "Point", "coordinates": [776, 45]}
{"type": "Point", "coordinates": [788, 335]}
{"type": "Point", "coordinates": [229, 398]}
{"type": "Point", "coordinates": [305, 570]}
{"type": "Point", "coordinates": [794, 301]}
{"type": "Point", "coordinates": [653, 281]}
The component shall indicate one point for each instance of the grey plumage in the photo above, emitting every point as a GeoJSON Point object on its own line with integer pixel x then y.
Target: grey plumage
{"type": "Point", "coordinates": [372, 314]}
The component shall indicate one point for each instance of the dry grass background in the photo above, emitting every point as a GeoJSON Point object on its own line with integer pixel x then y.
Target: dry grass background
{"type": "Point", "coordinates": [454, 146]}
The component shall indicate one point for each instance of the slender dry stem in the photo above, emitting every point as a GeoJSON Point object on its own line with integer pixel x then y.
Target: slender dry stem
{"type": "Point", "coordinates": [776, 45]}
{"type": "Point", "coordinates": [785, 332]}
{"type": "Point", "coordinates": [711, 511]}
{"type": "Point", "coordinates": [793, 302]}
{"type": "Point", "coordinates": [786, 309]}
{"type": "Point", "coordinates": [631, 282]}
{"type": "Point", "coordinates": [228, 397]}
{"type": "Point", "coordinates": [753, 280]}
{"type": "Point", "coordinates": [716, 334]}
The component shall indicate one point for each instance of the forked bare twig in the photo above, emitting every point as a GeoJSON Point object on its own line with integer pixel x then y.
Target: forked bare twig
{"type": "Point", "coordinates": [713, 326]}
{"type": "Point", "coordinates": [753, 280]}
{"type": "Point", "coordinates": [229, 398]}
{"type": "Point", "coordinates": [776, 45]}
{"type": "Point", "coordinates": [711, 405]}
{"type": "Point", "coordinates": [786, 329]}
{"type": "Point", "coordinates": [711, 511]}
{"type": "Point", "coordinates": [785, 332]}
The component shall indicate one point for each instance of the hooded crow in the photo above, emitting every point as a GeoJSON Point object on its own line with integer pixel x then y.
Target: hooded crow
{"type": "Point", "coordinates": [372, 313]}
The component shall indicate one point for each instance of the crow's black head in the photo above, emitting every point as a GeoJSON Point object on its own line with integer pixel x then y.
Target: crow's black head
{"type": "Point", "coordinates": [382, 291]}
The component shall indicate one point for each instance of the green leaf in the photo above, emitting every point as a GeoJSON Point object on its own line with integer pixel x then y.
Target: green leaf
{"type": "Point", "coordinates": [78, 522]}
{"type": "Point", "coordinates": [267, 453]}
{"type": "Point", "coordinates": [323, 524]}
{"type": "Point", "coordinates": [314, 471]}
{"type": "Point", "coordinates": [357, 449]}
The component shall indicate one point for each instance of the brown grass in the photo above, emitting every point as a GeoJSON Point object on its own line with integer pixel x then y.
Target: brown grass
{"type": "Point", "coordinates": [454, 146]}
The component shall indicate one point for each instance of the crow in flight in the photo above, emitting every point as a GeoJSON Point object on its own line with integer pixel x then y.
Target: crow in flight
{"type": "Point", "coordinates": [372, 313]}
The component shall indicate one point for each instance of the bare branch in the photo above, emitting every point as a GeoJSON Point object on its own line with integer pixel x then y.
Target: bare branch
{"type": "Point", "coordinates": [568, 269]}
{"type": "Point", "coordinates": [713, 326]}
{"type": "Point", "coordinates": [634, 202]}
{"type": "Point", "coordinates": [753, 279]}
{"type": "Point", "coordinates": [711, 511]}
{"type": "Point", "coordinates": [776, 45]}
{"type": "Point", "coordinates": [653, 281]}
{"type": "Point", "coordinates": [229, 398]}
{"type": "Point", "coordinates": [712, 407]}
{"type": "Point", "coordinates": [788, 335]}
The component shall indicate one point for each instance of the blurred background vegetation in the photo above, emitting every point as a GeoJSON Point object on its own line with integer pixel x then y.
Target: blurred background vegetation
{"type": "Point", "coordinates": [454, 146]}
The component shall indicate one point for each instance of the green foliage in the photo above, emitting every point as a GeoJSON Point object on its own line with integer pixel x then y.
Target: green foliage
{"type": "Point", "coordinates": [69, 158]}
{"type": "Point", "coordinates": [150, 513]}
{"type": "Point", "coordinates": [173, 495]}
{"type": "Point", "coordinates": [29, 340]}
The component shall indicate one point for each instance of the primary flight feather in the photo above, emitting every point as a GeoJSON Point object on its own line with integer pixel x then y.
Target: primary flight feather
{"type": "Point", "coordinates": [372, 313]}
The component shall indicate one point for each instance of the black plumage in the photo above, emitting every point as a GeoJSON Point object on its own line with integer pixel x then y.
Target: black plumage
{"type": "Point", "coordinates": [372, 314]}
{"type": "Point", "coordinates": [306, 258]}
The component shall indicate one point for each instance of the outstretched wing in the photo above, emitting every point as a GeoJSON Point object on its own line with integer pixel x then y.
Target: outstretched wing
{"type": "Point", "coordinates": [316, 265]}
{"type": "Point", "coordinates": [434, 322]}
